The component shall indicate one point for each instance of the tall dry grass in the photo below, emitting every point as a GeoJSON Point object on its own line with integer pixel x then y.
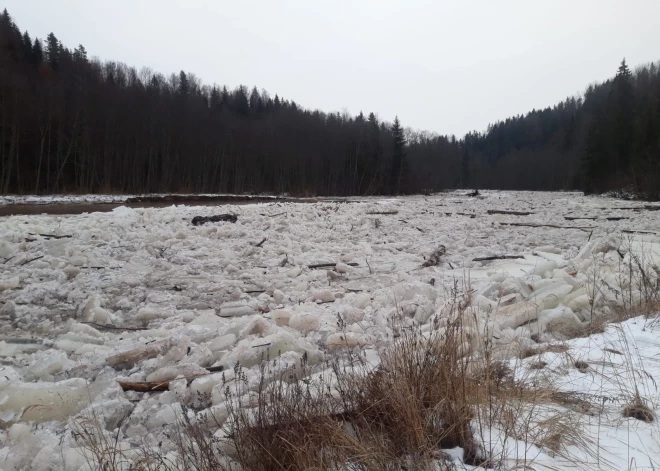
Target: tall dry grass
{"type": "Point", "coordinates": [431, 391]}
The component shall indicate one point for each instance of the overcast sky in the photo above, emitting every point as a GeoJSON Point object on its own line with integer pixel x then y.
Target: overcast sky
{"type": "Point", "coordinates": [444, 66]}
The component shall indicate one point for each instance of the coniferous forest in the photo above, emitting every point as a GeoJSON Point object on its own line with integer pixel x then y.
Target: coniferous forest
{"type": "Point", "coordinates": [70, 123]}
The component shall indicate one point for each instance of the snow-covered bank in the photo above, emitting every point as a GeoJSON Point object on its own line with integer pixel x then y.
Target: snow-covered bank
{"type": "Point", "coordinates": [143, 295]}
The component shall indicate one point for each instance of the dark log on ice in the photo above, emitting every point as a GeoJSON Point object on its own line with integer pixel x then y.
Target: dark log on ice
{"type": "Point", "coordinates": [520, 224]}
{"type": "Point", "coordinates": [575, 218]}
{"type": "Point", "coordinates": [638, 232]}
{"type": "Point", "coordinates": [473, 193]}
{"type": "Point", "coordinates": [385, 213]}
{"type": "Point", "coordinates": [153, 386]}
{"type": "Point", "coordinates": [261, 243]}
{"type": "Point", "coordinates": [646, 207]}
{"type": "Point", "coordinates": [52, 236]}
{"type": "Point", "coordinates": [616, 218]}
{"type": "Point", "coordinates": [31, 260]}
{"type": "Point", "coordinates": [497, 257]}
{"type": "Point", "coordinates": [112, 327]}
{"type": "Point", "coordinates": [199, 220]}
{"type": "Point", "coordinates": [144, 386]}
{"type": "Point", "coordinates": [434, 259]}
{"type": "Point", "coordinates": [512, 213]}
{"type": "Point", "coordinates": [330, 265]}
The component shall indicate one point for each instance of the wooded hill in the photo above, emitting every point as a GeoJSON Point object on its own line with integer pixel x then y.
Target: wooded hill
{"type": "Point", "coordinates": [74, 124]}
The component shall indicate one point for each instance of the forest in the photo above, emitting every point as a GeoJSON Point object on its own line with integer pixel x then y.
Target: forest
{"type": "Point", "coordinates": [74, 124]}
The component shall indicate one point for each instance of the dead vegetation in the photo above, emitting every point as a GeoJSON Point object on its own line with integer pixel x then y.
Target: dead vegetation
{"type": "Point", "coordinates": [638, 409]}
{"type": "Point", "coordinates": [427, 394]}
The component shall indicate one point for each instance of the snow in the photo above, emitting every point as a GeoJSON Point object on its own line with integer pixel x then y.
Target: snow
{"type": "Point", "coordinates": [139, 294]}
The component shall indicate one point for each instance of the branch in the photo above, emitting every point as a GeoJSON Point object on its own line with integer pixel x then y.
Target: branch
{"type": "Point", "coordinates": [31, 260]}
{"type": "Point", "coordinates": [513, 213]}
{"type": "Point", "coordinates": [496, 257]}
{"type": "Point", "coordinates": [330, 265]}
{"type": "Point", "coordinates": [112, 327]}
{"type": "Point", "coordinates": [52, 236]}
{"type": "Point", "coordinates": [152, 386]}
{"type": "Point", "coordinates": [383, 212]}
{"type": "Point", "coordinates": [581, 228]}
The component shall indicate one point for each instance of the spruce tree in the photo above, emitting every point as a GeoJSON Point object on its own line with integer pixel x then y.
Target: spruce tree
{"type": "Point", "coordinates": [27, 47]}
{"type": "Point", "coordinates": [184, 84]}
{"type": "Point", "coordinates": [398, 157]}
{"type": "Point", "coordinates": [37, 52]}
{"type": "Point", "coordinates": [623, 116]}
{"type": "Point", "coordinates": [255, 101]}
{"type": "Point", "coordinates": [52, 51]}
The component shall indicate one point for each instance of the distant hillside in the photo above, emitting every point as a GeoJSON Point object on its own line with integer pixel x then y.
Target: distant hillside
{"type": "Point", "coordinates": [74, 124]}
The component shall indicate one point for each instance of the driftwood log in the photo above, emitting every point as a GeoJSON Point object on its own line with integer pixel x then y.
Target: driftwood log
{"type": "Point", "coordinates": [144, 386]}
{"type": "Point", "coordinates": [112, 327]}
{"type": "Point", "coordinates": [330, 265]}
{"type": "Point", "coordinates": [496, 257]}
{"type": "Point", "coordinates": [199, 220]}
{"type": "Point", "coordinates": [611, 218]}
{"type": "Point", "coordinates": [153, 386]}
{"type": "Point", "coordinates": [30, 260]}
{"type": "Point", "coordinates": [51, 236]}
{"type": "Point", "coordinates": [385, 213]}
{"type": "Point", "coordinates": [638, 232]}
{"type": "Point", "coordinates": [512, 213]}
{"type": "Point", "coordinates": [646, 207]}
{"type": "Point", "coordinates": [520, 224]}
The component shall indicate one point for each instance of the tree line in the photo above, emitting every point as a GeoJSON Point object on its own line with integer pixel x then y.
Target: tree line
{"type": "Point", "coordinates": [70, 123]}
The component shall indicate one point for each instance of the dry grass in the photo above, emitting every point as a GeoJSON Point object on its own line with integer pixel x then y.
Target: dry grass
{"type": "Point", "coordinates": [418, 401]}
{"type": "Point", "coordinates": [550, 347]}
{"type": "Point", "coordinates": [639, 410]}
{"type": "Point", "coordinates": [427, 394]}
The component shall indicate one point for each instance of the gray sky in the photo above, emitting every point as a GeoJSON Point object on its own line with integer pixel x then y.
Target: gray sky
{"type": "Point", "coordinates": [444, 66]}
